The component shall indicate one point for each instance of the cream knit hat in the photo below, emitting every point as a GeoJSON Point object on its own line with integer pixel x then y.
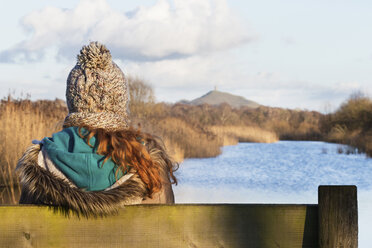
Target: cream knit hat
{"type": "Point", "coordinates": [96, 91]}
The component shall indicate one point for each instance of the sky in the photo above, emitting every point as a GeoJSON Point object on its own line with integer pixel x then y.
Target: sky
{"type": "Point", "coordinates": [297, 54]}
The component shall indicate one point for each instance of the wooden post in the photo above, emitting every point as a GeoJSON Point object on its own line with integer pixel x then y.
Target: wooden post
{"type": "Point", "coordinates": [338, 216]}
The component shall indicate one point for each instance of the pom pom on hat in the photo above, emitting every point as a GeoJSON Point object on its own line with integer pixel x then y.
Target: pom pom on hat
{"type": "Point", "coordinates": [94, 56]}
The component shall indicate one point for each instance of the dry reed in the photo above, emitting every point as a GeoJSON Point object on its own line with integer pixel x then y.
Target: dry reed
{"type": "Point", "coordinates": [184, 140]}
{"type": "Point", "coordinates": [234, 134]}
{"type": "Point", "coordinates": [20, 123]}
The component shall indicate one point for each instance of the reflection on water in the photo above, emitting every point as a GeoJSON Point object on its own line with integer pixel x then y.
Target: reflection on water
{"type": "Point", "coordinates": [283, 172]}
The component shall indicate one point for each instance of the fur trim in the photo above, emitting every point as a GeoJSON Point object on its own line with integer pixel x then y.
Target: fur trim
{"type": "Point", "coordinates": [40, 186]}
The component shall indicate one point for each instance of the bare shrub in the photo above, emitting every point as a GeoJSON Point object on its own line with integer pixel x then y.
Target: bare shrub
{"type": "Point", "coordinates": [351, 123]}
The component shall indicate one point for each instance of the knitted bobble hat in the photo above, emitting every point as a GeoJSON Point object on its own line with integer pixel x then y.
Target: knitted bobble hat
{"type": "Point", "coordinates": [96, 91]}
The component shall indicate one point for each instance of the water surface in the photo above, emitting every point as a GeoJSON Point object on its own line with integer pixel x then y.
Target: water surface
{"type": "Point", "coordinates": [282, 172]}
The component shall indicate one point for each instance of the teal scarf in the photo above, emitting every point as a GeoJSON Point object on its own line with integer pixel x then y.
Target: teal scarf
{"type": "Point", "coordinates": [79, 162]}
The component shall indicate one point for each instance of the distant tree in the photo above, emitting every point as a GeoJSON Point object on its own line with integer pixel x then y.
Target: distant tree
{"type": "Point", "coordinates": [141, 96]}
{"type": "Point", "coordinates": [355, 113]}
{"type": "Point", "coordinates": [139, 90]}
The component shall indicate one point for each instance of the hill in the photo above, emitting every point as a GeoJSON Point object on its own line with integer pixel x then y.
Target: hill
{"type": "Point", "coordinates": [216, 97]}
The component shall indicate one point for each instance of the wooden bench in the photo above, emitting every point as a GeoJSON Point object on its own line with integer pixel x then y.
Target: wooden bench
{"type": "Point", "coordinates": [333, 222]}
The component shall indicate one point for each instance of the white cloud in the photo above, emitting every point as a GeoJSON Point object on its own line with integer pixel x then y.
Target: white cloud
{"type": "Point", "coordinates": [168, 29]}
{"type": "Point", "coordinates": [183, 48]}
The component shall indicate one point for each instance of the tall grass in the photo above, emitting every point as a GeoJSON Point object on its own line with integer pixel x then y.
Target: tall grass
{"type": "Point", "coordinates": [21, 121]}
{"type": "Point", "coordinates": [184, 140]}
{"type": "Point", "coordinates": [234, 134]}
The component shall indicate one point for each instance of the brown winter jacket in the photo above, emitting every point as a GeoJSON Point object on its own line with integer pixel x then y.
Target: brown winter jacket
{"type": "Point", "coordinates": [40, 186]}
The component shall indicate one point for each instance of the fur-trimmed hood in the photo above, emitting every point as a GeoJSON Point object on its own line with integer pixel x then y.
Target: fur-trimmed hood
{"type": "Point", "coordinates": [42, 187]}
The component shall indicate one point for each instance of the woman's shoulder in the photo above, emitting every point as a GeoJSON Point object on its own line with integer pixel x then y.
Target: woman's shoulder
{"type": "Point", "coordinates": [61, 138]}
{"type": "Point", "coordinates": [70, 139]}
{"type": "Point", "coordinates": [67, 133]}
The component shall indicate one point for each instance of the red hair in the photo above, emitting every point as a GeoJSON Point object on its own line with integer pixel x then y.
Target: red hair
{"type": "Point", "coordinates": [127, 148]}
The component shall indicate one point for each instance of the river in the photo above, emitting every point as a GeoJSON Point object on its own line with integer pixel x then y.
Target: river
{"type": "Point", "coordinates": [282, 172]}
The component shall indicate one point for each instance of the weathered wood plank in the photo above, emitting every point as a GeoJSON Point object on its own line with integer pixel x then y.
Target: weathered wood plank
{"type": "Point", "coordinates": [164, 226]}
{"type": "Point", "coordinates": [338, 216]}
